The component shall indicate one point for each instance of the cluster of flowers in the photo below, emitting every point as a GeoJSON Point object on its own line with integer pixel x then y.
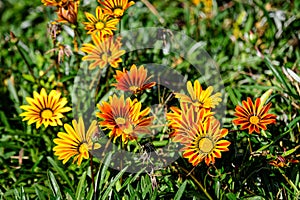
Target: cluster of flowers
{"type": "Point", "coordinates": [194, 124]}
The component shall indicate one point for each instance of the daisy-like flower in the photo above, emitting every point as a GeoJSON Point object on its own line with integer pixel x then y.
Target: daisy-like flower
{"type": "Point", "coordinates": [105, 51]}
{"type": "Point", "coordinates": [253, 116]}
{"type": "Point", "coordinates": [102, 23]}
{"type": "Point", "coordinates": [45, 109]}
{"type": "Point", "coordinates": [198, 97]}
{"type": "Point", "coordinates": [134, 80]}
{"type": "Point", "coordinates": [75, 141]}
{"type": "Point", "coordinates": [68, 14]}
{"type": "Point", "coordinates": [205, 142]}
{"type": "Point", "coordinates": [115, 8]}
{"type": "Point", "coordinates": [182, 120]}
{"type": "Point", "coordinates": [124, 118]}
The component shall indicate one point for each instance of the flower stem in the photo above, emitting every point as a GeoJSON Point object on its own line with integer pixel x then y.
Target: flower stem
{"type": "Point", "coordinates": [197, 182]}
{"type": "Point", "coordinates": [92, 174]}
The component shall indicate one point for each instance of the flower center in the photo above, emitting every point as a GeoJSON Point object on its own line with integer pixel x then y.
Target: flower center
{"type": "Point", "coordinates": [46, 114]}
{"type": "Point", "coordinates": [206, 145]}
{"type": "Point", "coordinates": [84, 150]}
{"type": "Point", "coordinates": [133, 88]}
{"type": "Point", "coordinates": [100, 25]}
{"type": "Point", "coordinates": [254, 120]}
{"type": "Point", "coordinates": [118, 12]}
{"type": "Point", "coordinates": [128, 130]}
{"type": "Point", "coordinates": [120, 121]}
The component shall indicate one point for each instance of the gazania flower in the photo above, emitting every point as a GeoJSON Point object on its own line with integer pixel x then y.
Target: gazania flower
{"type": "Point", "coordinates": [182, 120]}
{"type": "Point", "coordinates": [124, 118]}
{"type": "Point", "coordinates": [253, 116]}
{"type": "Point", "coordinates": [134, 80]}
{"type": "Point", "coordinates": [68, 14]}
{"type": "Point", "coordinates": [199, 97]}
{"type": "Point", "coordinates": [115, 8]}
{"type": "Point", "coordinates": [105, 51]}
{"type": "Point", "coordinates": [205, 143]}
{"type": "Point", "coordinates": [102, 23]}
{"type": "Point", "coordinates": [75, 142]}
{"type": "Point", "coordinates": [45, 109]}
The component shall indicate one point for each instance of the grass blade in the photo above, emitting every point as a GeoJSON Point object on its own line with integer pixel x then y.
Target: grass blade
{"type": "Point", "coordinates": [60, 171]}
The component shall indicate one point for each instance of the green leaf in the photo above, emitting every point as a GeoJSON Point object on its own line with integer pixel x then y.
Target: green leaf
{"type": "Point", "coordinates": [60, 171]}
{"type": "Point", "coordinates": [279, 76]}
{"type": "Point", "coordinates": [104, 169]}
{"type": "Point", "coordinates": [39, 193]}
{"type": "Point", "coordinates": [180, 191]}
{"type": "Point", "coordinates": [231, 196]}
{"type": "Point", "coordinates": [28, 77]}
{"type": "Point", "coordinates": [54, 185]}
{"type": "Point", "coordinates": [80, 185]}
{"type": "Point", "coordinates": [113, 182]}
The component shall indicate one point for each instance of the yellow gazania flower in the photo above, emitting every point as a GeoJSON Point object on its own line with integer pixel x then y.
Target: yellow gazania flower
{"type": "Point", "coordinates": [253, 116]}
{"type": "Point", "coordinates": [45, 109]}
{"type": "Point", "coordinates": [75, 142]}
{"type": "Point", "coordinates": [204, 142]}
{"type": "Point", "coordinates": [124, 118]}
{"type": "Point", "coordinates": [200, 98]}
{"type": "Point", "coordinates": [134, 80]}
{"type": "Point", "coordinates": [182, 119]}
{"type": "Point", "coordinates": [115, 8]}
{"type": "Point", "coordinates": [102, 23]}
{"type": "Point", "coordinates": [105, 51]}
{"type": "Point", "coordinates": [68, 14]}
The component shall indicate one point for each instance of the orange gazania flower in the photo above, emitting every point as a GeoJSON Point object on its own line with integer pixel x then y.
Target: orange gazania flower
{"type": "Point", "coordinates": [45, 109]}
{"type": "Point", "coordinates": [102, 23]}
{"type": "Point", "coordinates": [105, 51]}
{"type": "Point", "coordinates": [68, 14]}
{"type": "Point", "coordinates": [253, 116]}
{"type": "Point", "coordinates": [134, 80]}
{"type": "Point", "coordinates": [124, 118]}
{"type": "Point", "coordinates": [204, 142]}
{"type": "Point", "coordinates": [75, 142]}
{"type": "Point", "coordinates": [182, 120]}
{"type": "Point", "coordinates": [198, 97]}
{"type": "Point", "coordinates": [115, 8]}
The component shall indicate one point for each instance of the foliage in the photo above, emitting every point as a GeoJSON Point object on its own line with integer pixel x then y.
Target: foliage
{"type": "Point", "coordinates": [256, 48]}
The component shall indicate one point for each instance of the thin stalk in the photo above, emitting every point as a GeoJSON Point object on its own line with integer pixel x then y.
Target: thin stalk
{"type": "Point", "coordinates": [197, 182]}
{"type": "Point", "coordinates": [92, 174]}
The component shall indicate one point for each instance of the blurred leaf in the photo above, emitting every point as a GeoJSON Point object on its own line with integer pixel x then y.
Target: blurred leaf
{"type": "Point", "coordinates": [180, 191]}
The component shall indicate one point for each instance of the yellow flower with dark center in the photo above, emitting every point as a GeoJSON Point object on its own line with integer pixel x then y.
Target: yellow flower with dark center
{"type": "Point", "coordinates": [253, 116]}
{"type": "Point", "coordinates": [115, 8]}
{"type": "Point", "coordinates": [134, 80]}
{"type": "Point", "coordinates": [204, 142]}
{"type": "Point", "coordinates": [76, 142]}
{"type": "Point", "coordinates": [198, 97]}
{"type": "Point", "coordinates": [45, 109]}
{"type": "Point", "coordinates": [181, 120]}
{"type": "Point", "coordinates": [124, 118]}
{"type": "Point", "coordinates": [102, 23]}
{"type": "Point", "coordinates": [105, 51]}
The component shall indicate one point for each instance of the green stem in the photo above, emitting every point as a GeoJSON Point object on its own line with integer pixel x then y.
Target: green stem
{"type": "Point", "coordinates": [198, 183]}
{"type": "Point", "coordinates": [92, 174]}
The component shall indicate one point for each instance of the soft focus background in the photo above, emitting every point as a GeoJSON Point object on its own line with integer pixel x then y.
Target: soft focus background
{"type": "Point", "coordinates": [254, 43]}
